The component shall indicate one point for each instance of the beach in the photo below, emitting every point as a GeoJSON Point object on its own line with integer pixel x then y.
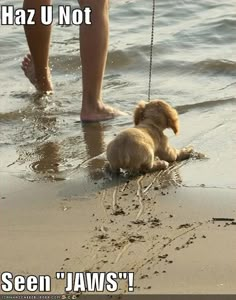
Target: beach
{"type": "Point", "coordinates": [173, 247]}
{"type": "Point", "coordinates": [61, 212]}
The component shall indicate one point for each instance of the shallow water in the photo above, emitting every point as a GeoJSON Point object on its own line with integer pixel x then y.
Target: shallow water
{"type": "Point", "coordinates": [194, 69]}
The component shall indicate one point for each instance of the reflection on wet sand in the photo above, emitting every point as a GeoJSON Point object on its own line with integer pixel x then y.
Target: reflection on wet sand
{"type": "Point", "coordinates": [42, 151]}
{"type": "Point", "coordinates": [46, 156]}
{"type": "Point", "coordinates": [95, 145]}
{"type": "Point", "coordinates": [49, 159]}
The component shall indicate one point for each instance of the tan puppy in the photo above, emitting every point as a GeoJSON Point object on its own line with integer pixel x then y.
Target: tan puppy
{"type": "Point", "coordinates": [135, 149]}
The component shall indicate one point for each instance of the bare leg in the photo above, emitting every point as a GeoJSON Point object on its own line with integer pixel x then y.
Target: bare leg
{"type": "Point", "coordinates": [93, 52]}
{"type": "Point", "coordinates": [35, 65]}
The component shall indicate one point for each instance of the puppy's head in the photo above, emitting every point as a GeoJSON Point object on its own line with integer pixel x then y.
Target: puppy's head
{"type": "Point", "coordinates": [159, 112]}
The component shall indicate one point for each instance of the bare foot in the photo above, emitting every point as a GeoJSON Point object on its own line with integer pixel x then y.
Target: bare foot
{"type": "Point", "coordinates": [104, 112]}
{"type": "Point", "coordinates": [42, 84]}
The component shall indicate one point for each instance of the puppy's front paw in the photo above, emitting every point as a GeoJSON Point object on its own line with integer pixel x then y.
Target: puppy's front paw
{"type": "Point", "coordinates": [188, 149]}
{"type": "Point", "coordinates": [185, 153]}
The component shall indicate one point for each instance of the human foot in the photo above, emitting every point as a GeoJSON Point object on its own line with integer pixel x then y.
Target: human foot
{"type": "Point", "coordinates": [102, 113]}
{"type": "Point", "coordinates": [42, 83]}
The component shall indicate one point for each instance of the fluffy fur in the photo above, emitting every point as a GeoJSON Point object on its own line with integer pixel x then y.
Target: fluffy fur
{"type": "Point", "coordinates": [145, 148]}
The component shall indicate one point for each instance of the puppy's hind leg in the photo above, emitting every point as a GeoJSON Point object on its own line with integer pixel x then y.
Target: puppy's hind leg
{"type": "Point", "coordinates": [159, 165]}
{"type": "Point", "coordinates": [156, 166]}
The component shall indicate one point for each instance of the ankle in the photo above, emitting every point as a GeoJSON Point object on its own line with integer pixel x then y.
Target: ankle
{"type": "Point", "coordinates": [44, 84]}
{"type": "Point", "coordinates": [43, 79]}
{"type": "Point", "coordinates": [44, 73]}
{"type": "Point", "coordinates": [89, 106]}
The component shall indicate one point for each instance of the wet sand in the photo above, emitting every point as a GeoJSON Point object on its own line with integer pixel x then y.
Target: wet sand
{"type": "Point", "coordinates": [151, 225]}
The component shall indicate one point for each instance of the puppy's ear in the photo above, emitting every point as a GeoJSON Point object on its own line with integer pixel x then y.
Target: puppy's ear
{"type": "Point", "coordinates": [173, 120]}
{"type": "Point", "coordinates": [139, 112]}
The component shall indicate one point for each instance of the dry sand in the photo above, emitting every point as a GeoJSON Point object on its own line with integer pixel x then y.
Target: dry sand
{"type": "Point", "coordinates": [152, 226]}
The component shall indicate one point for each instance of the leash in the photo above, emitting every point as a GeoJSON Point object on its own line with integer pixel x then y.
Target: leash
{"type": "Point", "coordinates": [151, 48]}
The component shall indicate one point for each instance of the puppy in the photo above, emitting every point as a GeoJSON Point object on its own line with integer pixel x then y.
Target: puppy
{"type": "Point", "coordinates": [135, 149]}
